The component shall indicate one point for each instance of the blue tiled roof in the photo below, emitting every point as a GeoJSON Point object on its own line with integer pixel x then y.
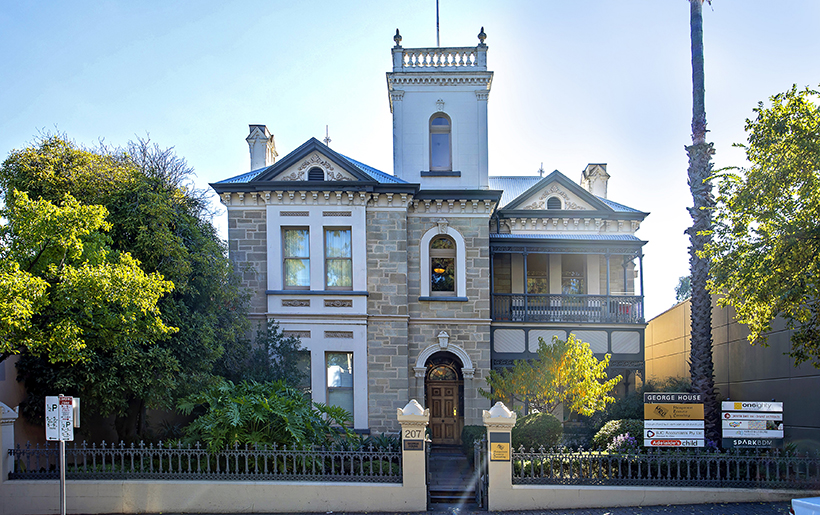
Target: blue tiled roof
{"type": "Point", "coordinates": [568, 236]}
{"type": "Point", "coordinates": [618, 207]}
{"type": "Point", "coordinates": [377, 175]}
{"type": "Point", "coordinates": [245, 177]}
{"type": "Point", "coordinates": [512, 186]}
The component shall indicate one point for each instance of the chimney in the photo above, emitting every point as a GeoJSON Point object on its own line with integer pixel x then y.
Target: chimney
{"type": "Point", "coordinates": [594, 179]}
{"type": "Point", "coordinates": [262, 148]}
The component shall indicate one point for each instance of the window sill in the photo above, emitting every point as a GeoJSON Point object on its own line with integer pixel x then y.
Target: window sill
{"type": "Point", "coordinates": [316, 292]}
{"type": "Point", "coordinates": [443, 299]}
{"type": "Point", "coordinates": [441, 173]}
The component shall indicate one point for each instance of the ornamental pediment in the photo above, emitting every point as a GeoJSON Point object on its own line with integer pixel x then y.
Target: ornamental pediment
{"type": "Point", "coordinates": [542, 199]}
{"type": "Point", "coordinates": [314, 167]}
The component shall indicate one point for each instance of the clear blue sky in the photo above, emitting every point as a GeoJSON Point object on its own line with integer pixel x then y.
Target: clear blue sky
{"type": "Point", "coordinates": [575, 83]}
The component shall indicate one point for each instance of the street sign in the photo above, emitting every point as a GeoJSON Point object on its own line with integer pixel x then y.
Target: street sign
{"type": "Point", "coordinates": [673, 411]}
{"type": "Point", "coordinates": [60, 418]}
{"type": "Point", "coordinates": [673, 433]}
{"type": "Point", "coordinates": [751, 406]}
{"type": "Point", "coordinates": [52, 418]}
{"type": "Point", "coordinates": [673, 424]}
{"type": "Point", "coordinates": [672, 442]}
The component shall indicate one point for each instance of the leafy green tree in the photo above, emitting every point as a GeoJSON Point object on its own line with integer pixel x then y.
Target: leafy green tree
{"type": "Point", "coordinates": [683, 290]}
{"type": "Point", "coordinates": [261, 414]}
{"type": "Point", "coordinates": [766, 250]}
{"type": "Point", "coordinates": [271, 357]}
{"type": "Point", "coordinates": [66, 295]}
{"type": "Point", "coordinates": [156, 217]}
{"type": "Point", "coordinates": [700, 152]}
{"type": "Point", "coordinates": [566, 372]}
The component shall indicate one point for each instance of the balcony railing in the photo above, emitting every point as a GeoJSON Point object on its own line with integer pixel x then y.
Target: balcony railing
{"type": "Point", "coordinates": [595, 309]}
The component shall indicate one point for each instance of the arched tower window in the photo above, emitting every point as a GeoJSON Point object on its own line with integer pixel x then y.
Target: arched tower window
{"type": "Point", "coordinates": [316, 174]}
{"type": "Point", "coordinates": [553, 203]}
{"type": "Point", "coordinates": [441, 155]}
{"type": "Point", "coordinates": [442, 266]}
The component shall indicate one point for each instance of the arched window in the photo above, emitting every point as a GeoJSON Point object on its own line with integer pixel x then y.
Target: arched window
{"type": "Point", "coordinates": [441, 156]}
{"type": "Point", "coordinates": [442, 266]}
{"type": "Point", "coordinates": [553, 203]}
{"type": "Point", "coordinates": [316, 174]}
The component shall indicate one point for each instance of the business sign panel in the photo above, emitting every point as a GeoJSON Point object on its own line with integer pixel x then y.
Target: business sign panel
{"type": "Point", "coordinates": [751, 433]}
{"type": "Point", "coordinates": [673, 411]}
{"type": "Point", "coordinates": [771, 425]}
{"type": "Point", "coordinates": [752, 416]}
{"type": "Point", "coordinates": [673, 433]}
{"type": "Point", "coordinates": [751, 406]}
{"type": "Point", "coordinates": [672, 442]}
{"type": "Point", "coordinates": [673, 424]}
{"type": "Point", "coordinates": [675, 398]}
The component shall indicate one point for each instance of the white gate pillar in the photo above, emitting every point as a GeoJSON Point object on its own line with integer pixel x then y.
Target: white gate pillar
{"type": "Point", "coordinates": [413, 419]}
{"type": "Point", "coordinates": [499, 422]}
{"type": "Point", "coordinates": [7, 418]}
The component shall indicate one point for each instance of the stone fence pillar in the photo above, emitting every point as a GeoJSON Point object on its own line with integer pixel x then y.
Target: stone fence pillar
{"type": "Point", "coordinates": [413, 419]}
{"type": "Point", "coordinates": [7, 418]}
{"type": "Point", "coordinates": [499, 422]}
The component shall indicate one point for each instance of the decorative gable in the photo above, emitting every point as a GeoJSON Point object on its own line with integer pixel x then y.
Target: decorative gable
{"type": "Point", "coordinates": [568, 200]}
{"type": "Point", "coordinates": [301, 171]}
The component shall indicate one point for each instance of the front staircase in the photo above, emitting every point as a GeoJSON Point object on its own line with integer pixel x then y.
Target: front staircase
{"type": "Point", "coordinates": [451, 481]}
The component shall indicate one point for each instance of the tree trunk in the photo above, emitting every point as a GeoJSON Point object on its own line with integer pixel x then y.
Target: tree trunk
{"type": "Point", "coordinates": [700, 169]}
{"type": "Point", "coordinates": [129, 426]}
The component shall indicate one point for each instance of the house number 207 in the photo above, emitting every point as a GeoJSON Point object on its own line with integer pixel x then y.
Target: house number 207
{"type": "Point", "coordinates": [412, 433]}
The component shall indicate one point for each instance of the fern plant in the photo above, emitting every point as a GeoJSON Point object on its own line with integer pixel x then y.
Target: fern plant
{"type": "Point", "coordinates": [261, 414]}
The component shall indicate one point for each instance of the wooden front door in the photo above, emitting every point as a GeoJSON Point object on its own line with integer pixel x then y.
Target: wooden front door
{"type": "Point", "coordinates": [445, 420]}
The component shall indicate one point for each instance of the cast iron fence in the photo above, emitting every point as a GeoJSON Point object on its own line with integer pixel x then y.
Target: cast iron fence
{"type": "Point", "coordinates": [666, 467]}
{"type": "Point", "coordinates": [175, 461]}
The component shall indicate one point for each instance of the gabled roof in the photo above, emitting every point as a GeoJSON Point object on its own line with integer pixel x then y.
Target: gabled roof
{"type": "Point", "coordinates": [563, 180]}
{"type": "Point", "coordinates": [362, 175]}
{"type": "Point", "coordinates": [517, 189]}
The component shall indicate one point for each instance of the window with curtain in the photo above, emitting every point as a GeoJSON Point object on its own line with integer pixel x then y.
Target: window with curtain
{"type": "Point", "coordinates": [338, 259]}
{"type": "Point", "coordinates": [442, 266]}
{"type": "Point", "coordinates": [340, 379]}
{"type": "Point", "coordinates": [296, 258]}
{"type": "Point", "coordinates": [440, 143]}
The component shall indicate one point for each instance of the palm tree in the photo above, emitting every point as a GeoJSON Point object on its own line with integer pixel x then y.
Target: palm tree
{"type": "Point", "coordinates": [700, 169]}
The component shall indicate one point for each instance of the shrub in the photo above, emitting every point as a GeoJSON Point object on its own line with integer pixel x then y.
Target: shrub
{"type": "Point", "coordinates": [468, 437]}
{"type": "Point", "coordinates": [535, 430]}
{"type": "Point", "coordinates": [615, 428]}
{"type": "Point", "coordinates": [623, 443]}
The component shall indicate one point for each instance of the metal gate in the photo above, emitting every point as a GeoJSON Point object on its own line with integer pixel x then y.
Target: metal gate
{"type": "Point", "coordinates": [480, 467]}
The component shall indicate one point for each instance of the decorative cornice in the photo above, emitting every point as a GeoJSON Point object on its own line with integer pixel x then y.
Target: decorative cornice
{"type": "Point", "coordinates": [481, 79]}
{"type": "Point", "coordinates": [453, 206]}
{"type": "Point", "coordinates": [335, 303]}
{"type": "Point", "coordinates": [295, 303]}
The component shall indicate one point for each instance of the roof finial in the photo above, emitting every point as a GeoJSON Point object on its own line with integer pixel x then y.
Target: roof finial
{"type": "Point", "coordinates": [397, 39]}
{"type": "Point", "coordinates": [541, 170]}
{"type": "Point", "coordinates": [482, 37]}
{"type": "Point", "coordinates": [327, 137]}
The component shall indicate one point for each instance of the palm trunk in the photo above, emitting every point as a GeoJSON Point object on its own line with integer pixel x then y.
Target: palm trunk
{"type": "Point", "coordinates": [700, 169]}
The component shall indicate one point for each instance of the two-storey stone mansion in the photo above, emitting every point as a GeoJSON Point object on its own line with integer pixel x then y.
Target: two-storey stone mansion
{"type": "Point", "coordinates": [416, 284]}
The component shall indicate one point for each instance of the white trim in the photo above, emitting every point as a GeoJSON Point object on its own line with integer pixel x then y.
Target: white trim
{"type": "Point", "coordinates": [467, 368]}
{"type": "Point", "coordinates": [461, 260]}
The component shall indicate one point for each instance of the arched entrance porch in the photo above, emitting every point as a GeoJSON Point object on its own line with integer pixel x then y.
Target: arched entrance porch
{"type": "Point", "coordinates": [444, 395]}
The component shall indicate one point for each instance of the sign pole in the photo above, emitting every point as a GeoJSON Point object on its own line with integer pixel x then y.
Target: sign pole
{"type": "Point", "coordinates": [62, 476]}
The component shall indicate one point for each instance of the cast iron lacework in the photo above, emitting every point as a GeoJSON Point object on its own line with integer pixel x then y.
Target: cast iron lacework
{"type": "Point", "coordinates": [174, 461]}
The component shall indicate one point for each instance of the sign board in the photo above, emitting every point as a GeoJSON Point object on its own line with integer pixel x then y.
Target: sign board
{"type": "Point", "coordinates": [752, 416]}
{"type": "Point", "coordinates": [751, 406]}
{"type": "Point", "coordinates": [755, 443]}
{"type": "Point", "coordinates": [60, 421]}
{"type": "Point", "coordinates": [413, 445]}
{"type": "Point", "coordinates": [675, 398]}
{"type": "Point", "coordinates": [673, 411]}
{"type": "Point", "coordinates": [499, 446]}
{"type": "Point", "coordinates": [672, 442]}
{"type": "Point", "coordinates": [673, 433]}
{"type": "Point", "coordinates": [673, 424]}
{"type": "Point", "coordinates": [770, 425]}
{"type": "Point", "coordinates": [52, 418]}
{"type": "Point", "coordinates": [752, 423]}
